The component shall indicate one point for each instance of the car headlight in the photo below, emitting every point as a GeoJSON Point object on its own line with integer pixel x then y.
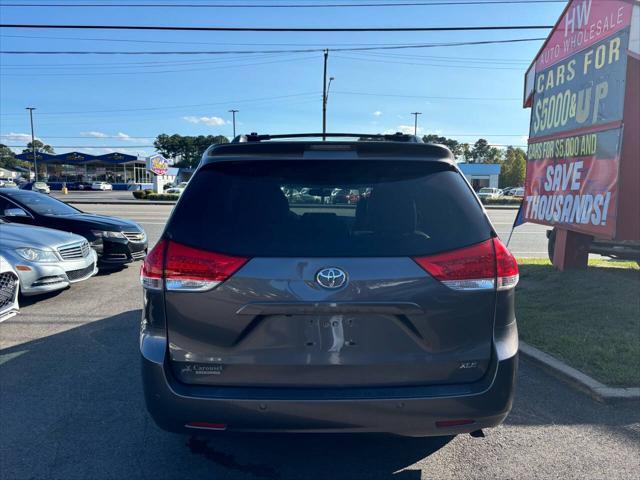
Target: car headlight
{"type": "Point", "coordinates": [108, 234]}
{"type": "Point", "coordinates": [36, 255]}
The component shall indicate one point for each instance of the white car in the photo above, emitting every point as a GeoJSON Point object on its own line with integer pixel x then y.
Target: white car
{"type": "Point", "coordinates": [517, 192]}
{"type": "Point", "coordinates": [101, 186]}
{"type": "Point", "coordinates": [488, 192]}
{"type": "Point", "coordinates": [8, 184]}
{"type": "Point", "coordinates": [41, 187]}
{"type": "Point", "coordinates": [8, 290]}
{"type": "Point", "coordinates": [177, 189]}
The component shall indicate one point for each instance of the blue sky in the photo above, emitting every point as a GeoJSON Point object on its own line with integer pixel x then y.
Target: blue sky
{"type": "Point", "coordinates": [122, 102]}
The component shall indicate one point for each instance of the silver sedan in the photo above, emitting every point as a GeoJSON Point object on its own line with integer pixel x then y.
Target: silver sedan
{"type": "Point", "coordinates": [45, 259]}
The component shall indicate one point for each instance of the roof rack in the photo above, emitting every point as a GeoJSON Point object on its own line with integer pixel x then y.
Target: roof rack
{"type": "Point", "coordinates": [396, 137]}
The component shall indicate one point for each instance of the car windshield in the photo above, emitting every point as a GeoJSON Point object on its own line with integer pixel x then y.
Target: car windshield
{"type": "Point", "coordinates": [486, 190]}
{"type": "Point", "coordinates": [43, 204]}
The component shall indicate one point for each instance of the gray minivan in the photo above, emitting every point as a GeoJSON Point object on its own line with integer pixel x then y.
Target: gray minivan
{"type": "Point", "coordinates": [393, 313]}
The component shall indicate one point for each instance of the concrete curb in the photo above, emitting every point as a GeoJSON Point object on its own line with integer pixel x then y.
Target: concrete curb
{"type": "Point", "coordinates": [501, 207]}
{"type": "Point", "coordinates": [577, 379]}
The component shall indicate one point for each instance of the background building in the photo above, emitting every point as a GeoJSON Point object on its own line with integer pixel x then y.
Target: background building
{"type": "Point", "coordinates": [119, 169]}
{"type": "Point", "coordinates": [481, 175]}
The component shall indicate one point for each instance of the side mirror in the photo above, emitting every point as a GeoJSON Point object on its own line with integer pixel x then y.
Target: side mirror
{"type": "Point", "coordinates": [15, 212]}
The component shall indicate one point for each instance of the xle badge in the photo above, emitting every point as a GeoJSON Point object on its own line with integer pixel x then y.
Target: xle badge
{"type": "Point", "coordinates": [465, 365]}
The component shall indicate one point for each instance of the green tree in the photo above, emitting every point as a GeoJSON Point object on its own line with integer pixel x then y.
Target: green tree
{"type": "Point", "coordinates": [465, 149]}
{"type": "Point", "coordinates": [514, 168]}
{"type": "Point", "coordinates": [7, 157]}
{"type": "Point", "coordinates": [186, 150]}
{"type": "Point", "coordinates": [483, 152]}
{"type": "Point", "coordinates": [453, 145]}
{"type": "Point", "coordinates": [40, 147]}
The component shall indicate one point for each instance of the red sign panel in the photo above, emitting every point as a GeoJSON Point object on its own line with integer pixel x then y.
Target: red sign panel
{"type": "Point", "coordinates": [572, 182]}
{"type": "Point", "coordinates": [584, 23]}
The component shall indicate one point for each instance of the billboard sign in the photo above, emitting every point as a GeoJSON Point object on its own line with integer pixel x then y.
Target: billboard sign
{"type": "Point", "coordinates": [572, 182]}
{"type": "Point", "coordinates": [576, 90]}
{"type": "Point", "coordinates": [158, 165]}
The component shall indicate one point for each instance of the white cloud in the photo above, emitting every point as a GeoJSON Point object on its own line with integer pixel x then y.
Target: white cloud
{"type": "Point", "coordinates": [17, 137]}
{"type": "Point", "coordinates": [377, 113]}
{"type": "Point", "coordinates": [211, 121]}
{"type": "Point", "coordinates": [94, 134]}
{"type": "Point", "coordinates": [126, 138]}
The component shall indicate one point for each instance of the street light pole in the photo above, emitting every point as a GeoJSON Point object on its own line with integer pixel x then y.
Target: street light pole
{"type": "Point", "coordinates": [415, 122]}
{"type": "Point", "coordinates": [33, 144]}
{"type": "Point", "coordinates": [233, 112]}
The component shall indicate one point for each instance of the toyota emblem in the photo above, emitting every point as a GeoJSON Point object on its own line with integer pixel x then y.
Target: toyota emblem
{"type": "Point", "coordinates": [331, 277]}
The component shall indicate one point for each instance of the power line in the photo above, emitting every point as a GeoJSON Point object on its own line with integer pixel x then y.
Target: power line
{"type": "Point", "coordinates": [447, 58]}
{"type": "Point", "coordinates": [274, 29]}
{"type": "Point", "coordinates": [446, 65]}
{"type": "Point", "coordinates": [321, 46]}
{"type": "Point", "coordinates": [282, 5]}
{"type": "Point", "coordinates": [170, 107]}
{"type": "Point", "coordinates": [155, 64]}
{"type": "Point", "coordinates": [144, 137]}
{"type": "Point", "coordinates": [88, 137]}
{"type": "Point", "coordinates": [427, 97]}
{"type": "Point", "coordinates": [148, 72]}
{"type": "Point", "coordinates": [88, 146]}
{"type": "Point", "coordinates": [262, 99]}
{"type": "Point", "coordinates": [144, 64]}
{"type": "Point", "coordinates": [307, 50]}
{"type": "Point", "coordinates": [129, 147]}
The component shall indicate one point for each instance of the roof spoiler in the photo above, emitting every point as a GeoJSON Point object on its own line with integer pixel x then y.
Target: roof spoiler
{"type": "Point", "coordinates": [363, 137]}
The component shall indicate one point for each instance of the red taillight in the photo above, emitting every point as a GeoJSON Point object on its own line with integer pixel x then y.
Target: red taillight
{"type": "Point", "coordinates": [152, 268]}
{"type": "Point", "coordinates": [507, 267]}
{"type": "Point", "coordinates": [189, 268]}
{"type": "Point", "coordinates": [186, 268]}
{"type": "Point", "coordinates": [474, 268]}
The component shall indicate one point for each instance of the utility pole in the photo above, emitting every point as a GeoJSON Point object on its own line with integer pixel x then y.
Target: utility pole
{"type": "Point", "coordinates": [233, 112]}
{"type": "Point", "coordinates": [33, 143]}
{"type": "Point", "coordinates": [324, 96]}
{"type": "Point", "coordinates": [415, 122]}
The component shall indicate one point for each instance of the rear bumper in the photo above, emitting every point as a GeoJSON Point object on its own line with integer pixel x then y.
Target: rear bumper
{"type": "Point", "coordinates": [407, 411]}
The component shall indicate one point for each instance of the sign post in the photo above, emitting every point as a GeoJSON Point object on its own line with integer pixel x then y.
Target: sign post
{"type": "Point", "coordinates": [582, 102]}
{"type": "Point", "coordinates": [159, 166]}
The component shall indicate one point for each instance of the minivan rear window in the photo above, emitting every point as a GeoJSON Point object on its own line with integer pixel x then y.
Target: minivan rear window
{"type": "Point", "coordinates": [328, 209]}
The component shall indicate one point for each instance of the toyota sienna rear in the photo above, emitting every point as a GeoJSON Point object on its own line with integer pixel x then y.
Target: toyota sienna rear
{"type": "Point", "coordinates": [269, 306]}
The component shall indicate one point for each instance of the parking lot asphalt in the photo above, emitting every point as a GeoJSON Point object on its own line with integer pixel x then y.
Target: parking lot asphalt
{"type": "Point", "coordinates": [71, 407]}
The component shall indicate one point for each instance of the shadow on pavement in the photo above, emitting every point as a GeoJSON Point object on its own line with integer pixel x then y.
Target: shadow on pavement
{"type": "Point", "coordinates": [25, 301]}
{"type": "Point", "coordinates": [72, 407]}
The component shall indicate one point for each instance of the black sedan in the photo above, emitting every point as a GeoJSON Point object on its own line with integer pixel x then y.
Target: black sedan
{"type": "Point", "coordinates": [117, 241]}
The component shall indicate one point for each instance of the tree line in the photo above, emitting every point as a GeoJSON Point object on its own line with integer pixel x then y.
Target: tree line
{"type": "Point", "coordinates": [513, 160]}
{"type": "Point", "coordinates": [9, 161]}
{"type": "Point", "coordinates": [186, 151]}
